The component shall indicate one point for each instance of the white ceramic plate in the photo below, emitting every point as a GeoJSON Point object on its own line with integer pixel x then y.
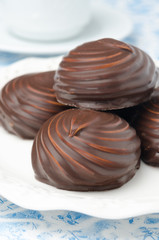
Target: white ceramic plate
{"type": "Point", "coordinates": [17, 182]}
{"type": "Point", "coordinates": [106, 22]}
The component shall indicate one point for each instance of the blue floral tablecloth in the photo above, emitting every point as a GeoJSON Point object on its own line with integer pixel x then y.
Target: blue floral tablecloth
{"type": "Point", "coordinates": [21, 224]}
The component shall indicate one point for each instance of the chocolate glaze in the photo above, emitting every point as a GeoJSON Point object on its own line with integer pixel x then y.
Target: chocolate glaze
{"type": "Point", "coordinates": [105, 74]}
{"type": "Point", "coordinates": [147, 127]}
{"type": "Point", "coordinates": [28, 101]}
{"type": "Point", "coordinates": [85, 150]}
{"type": "Point", "coordinates": [129, 114]}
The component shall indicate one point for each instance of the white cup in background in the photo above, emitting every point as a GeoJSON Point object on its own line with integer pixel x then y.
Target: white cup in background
{"type": "Point", "coordinates": [46, 20]}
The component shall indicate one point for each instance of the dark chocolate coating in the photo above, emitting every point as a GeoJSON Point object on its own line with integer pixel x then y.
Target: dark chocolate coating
{"type": "Point", "coordinates": [129, 114]}
{"type": "Point", "coordinates": [85, 150]}
{"type": "Point", "coordinates": [104, 75]}
{"type": "Point", "coordinates": [26, 102]}
{"type": "Point", "coordinates": [147, 127]}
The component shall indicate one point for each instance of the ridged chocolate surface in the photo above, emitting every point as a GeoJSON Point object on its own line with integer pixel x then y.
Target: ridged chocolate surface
{"type": "Point", "coordinates": [129, 114]}
{"type": "Point", "coordinates": [84, 150]}
{"type": "Point", "coordinates": [147, 127]}
{"type": "Point", "coordinates": [105, 74]}
{"type": "Point", "coordinates": [28, 101]}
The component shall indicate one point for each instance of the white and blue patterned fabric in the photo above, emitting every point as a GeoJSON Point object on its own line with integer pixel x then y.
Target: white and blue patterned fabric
{"type": "Point", "coordinates": [22, 224]}
{"type": "Point", "coordinates": [17, 223]}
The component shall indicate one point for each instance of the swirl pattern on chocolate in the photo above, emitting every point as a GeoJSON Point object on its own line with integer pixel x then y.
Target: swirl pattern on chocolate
{"type": "Point", "coordinates": [85, 150]}
{"type": "Point", "coordinates": [105, 74]}
{"type": "Point", "coordinates": [147, 127]}
{"type": "Point", "coordinates": [26, 102]}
